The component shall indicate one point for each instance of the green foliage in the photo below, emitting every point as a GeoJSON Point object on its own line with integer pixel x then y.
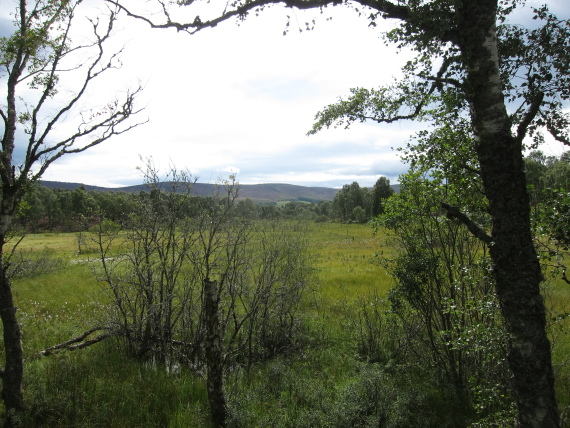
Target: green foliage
{"type": "Point", "coordinates": [359, 215]}
{"type": "Point", "coordinates": [380, 192]}
{"type": "Point", "coordinates": [371, 396]}
{"type": "Point", "coordinates": [24, 264]}
{"type": "Point", "coordinates": [397, 397]}
{"type": "Point", "coordinates": [546, 173]}
{"type": "Point", "coordinates": [99, 387]}
{"type": "Point", "coordinates": [358, 204]}
{"type": "Point", "coordinates": [378, 334]}
{"type": "Point", "coordinates": [45, 209]}
{"type": "Point", "coordinates": [329, 383]}
{"type": "Point", "coordinates": [534, 67]}
{"type": "Point", "coordinates": [554, 216]}
{"type": "Point", "coordinates": [444, 296]}
{"type": "Point", "coordinates": [542, 55]}
{"type": "Point", "coordinates": [548, 179]}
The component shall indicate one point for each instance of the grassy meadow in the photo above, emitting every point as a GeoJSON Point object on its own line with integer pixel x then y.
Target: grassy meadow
{"type": "Point", "coordinates": [321, 386]}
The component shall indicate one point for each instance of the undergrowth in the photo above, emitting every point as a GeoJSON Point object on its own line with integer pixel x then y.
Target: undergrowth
{"type": "Point", "coordinates": [348, 374]}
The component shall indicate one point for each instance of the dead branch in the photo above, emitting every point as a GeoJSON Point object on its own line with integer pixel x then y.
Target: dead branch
{"type": "Point", "coordinates": [78, 342]}
{"type": "Point", "coordinates": [474, 228]}
{"type": "Point", "coordinates": [566, 280]}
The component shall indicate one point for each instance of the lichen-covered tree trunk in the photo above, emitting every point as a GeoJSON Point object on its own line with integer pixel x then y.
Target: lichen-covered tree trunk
{"type": "Point", "coordinates": [515, 264]}
{"type": "Point", "coordinates": [14, 367]}
{"type": "Point", "coordinates": [13, 371]}
{"type": "Point", "coordinates": [214, 355]}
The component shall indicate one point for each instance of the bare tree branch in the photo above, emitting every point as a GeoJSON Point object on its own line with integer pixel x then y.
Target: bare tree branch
{"type": "Point", "coordinates": [529, 116]}
{"type": "Point", "coordinates": [33, 155]}
{"type": "Point", "coordinates": [78, 342]}
{"type": "Point", "coordinates": [474, 228]}
{"type": "Point", "coordinates": [108, 126]}
{"type": "Point", "coordinates": [388, 10]}
{"type": "Point", "coordinates": [449, 81]}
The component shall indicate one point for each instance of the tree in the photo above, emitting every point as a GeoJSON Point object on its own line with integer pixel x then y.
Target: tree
{"type": "Point", "coordinates": [380, 192]}
{"type": "Point", "coordinates": [549, 180]}
{"type": "Point", "coordinates": [558, 174]}
{"type": "Point", "coordinates": [349, 198]}
{"type": "Point", "coordinates": [35, 60]}
{"type": "Point", "coordinates": [208, 289]}
{"type": "Point", "coordinates": [470, 64]}
{"type": "Point", "coordinates": [443, 297]}
{"type": "Point", "coordinates": [355, 203]}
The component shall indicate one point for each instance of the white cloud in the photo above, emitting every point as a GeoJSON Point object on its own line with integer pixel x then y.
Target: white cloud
{"type": "Point", "coordinates": [242, 98]}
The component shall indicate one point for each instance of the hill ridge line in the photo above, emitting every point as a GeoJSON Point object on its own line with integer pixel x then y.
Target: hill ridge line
{"type": "Point", "coordinates": [261, 192]}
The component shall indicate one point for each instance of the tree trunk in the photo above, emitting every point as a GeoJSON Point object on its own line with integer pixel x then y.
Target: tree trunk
{"type": "Point", "coordinates": [516, 268]}
{"type": "Point", "coordinates": [14, 364]}
{"type": "Point", "coordinates": [14, 357]}
{"type": "Point", "coordinates": [214, 355]}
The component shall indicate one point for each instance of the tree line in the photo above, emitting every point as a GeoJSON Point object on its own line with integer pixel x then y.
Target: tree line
{"type": "Point", "coordinates": [46, 209]}
{"type": "Point", "coordinates": [53, 209]}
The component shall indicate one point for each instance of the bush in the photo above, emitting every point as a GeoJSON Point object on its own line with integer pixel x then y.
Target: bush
{"type": "Point", "coordinates": [395, 397]}
{"type": "Point", "coordinates": [27, 264]}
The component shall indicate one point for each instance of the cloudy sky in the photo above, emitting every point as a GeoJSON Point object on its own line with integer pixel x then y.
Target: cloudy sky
{"type": "Point", "coordinates": [241, 98]}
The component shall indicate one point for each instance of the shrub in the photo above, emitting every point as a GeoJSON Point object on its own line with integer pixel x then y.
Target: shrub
{"type": "Point", "coordinates": [26, 264]}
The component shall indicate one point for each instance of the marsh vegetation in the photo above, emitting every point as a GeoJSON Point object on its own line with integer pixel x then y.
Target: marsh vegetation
{"type": "Point", "coordinates": [360, 355]}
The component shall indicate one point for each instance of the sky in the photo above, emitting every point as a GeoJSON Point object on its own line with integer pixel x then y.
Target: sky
{"type": "Point", "coordinates": [241, 98]}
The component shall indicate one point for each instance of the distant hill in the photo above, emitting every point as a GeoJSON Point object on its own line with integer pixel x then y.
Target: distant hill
{"type": "Point", "coordinates": [256, 192]}
{"type": "Point", "coordinates": [260, 193]}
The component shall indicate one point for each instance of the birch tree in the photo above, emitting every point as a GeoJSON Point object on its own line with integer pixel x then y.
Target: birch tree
{"type": "Point", "coordinates": [35, 62]}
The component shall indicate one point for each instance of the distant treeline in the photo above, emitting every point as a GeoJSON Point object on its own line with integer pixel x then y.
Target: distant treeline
{"type": "Point", "coordinates": [50, 209]}
{"type": "Point", "coordinates": [65, 210]}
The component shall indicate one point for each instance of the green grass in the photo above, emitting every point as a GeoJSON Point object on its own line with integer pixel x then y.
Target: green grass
{"type": "Point", "coordinates": [345, 261]}
{"type": "Point", "coordinates": [101, 387]}
{"type": "Point", "coordinates": [63, 243]}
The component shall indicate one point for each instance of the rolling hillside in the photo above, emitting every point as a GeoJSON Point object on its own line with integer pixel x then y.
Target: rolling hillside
{"type": "Point", "coordinates": [256, 192]}
{"type": "Point", "coordinates": [260, 193]}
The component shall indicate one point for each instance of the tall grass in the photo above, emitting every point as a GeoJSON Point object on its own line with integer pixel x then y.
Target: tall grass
{"type": "Point", "coordinates": [327, 384]}
{"type": "Point", "coordinates": [99, 387]}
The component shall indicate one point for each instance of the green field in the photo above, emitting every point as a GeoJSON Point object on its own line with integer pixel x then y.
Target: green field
{"type": "Point", "coordinates": [323, 385]}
